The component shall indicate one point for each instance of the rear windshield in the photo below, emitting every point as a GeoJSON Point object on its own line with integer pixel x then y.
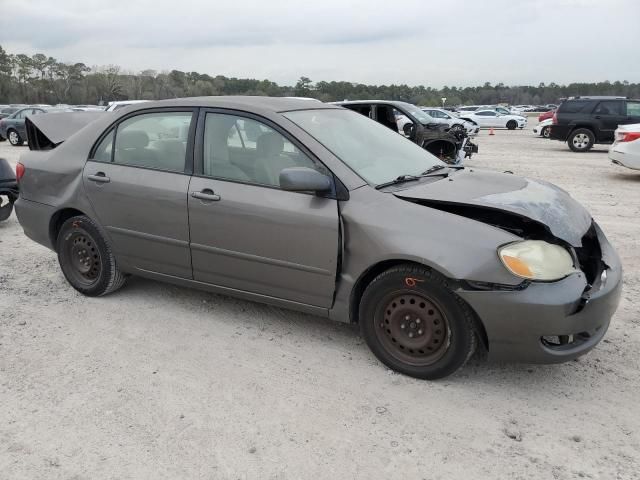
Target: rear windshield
{"type": "Point", "coordinates": [577, 106]}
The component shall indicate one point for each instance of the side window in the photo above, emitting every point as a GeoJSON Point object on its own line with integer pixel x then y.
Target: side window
{"type": "Point", "coordinates": [22, 114]}
{"type": "Point", "coordinates": [608, 108]}
{"type": "Point", "coordinates": [365, 110]}
{"type": "Point", "coordinates": [103, 152]}
{"type": "Point", "coordinates": [245, 150]}
{"type": "Point", "coordinates": [486, 114]}
{"type": "Point", "coordinates": [153, 140]}
{"type": "Point", "coordinates": [633, 109]}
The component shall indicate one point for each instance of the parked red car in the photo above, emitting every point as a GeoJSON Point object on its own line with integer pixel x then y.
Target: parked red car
{"type": "Point", "coordinates": [546, 115]}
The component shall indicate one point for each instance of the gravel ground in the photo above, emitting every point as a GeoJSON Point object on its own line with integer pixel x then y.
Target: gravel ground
{"type": "Point", "coordinates": [158, 381]}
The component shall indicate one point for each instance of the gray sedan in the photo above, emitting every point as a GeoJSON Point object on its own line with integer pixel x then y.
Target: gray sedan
{"type": "Point", "coordinates": [317, 208]}
{"type": "Point", "coordinates": [12, 127]}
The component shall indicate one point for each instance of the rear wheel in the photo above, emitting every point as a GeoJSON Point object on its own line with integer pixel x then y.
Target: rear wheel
{"type": "Point", "coordinates": [415, 324]}
{"type": "Point", "coordinates": [581, 140]}
{"type": "Point", "coordinates": [512, 124]}
{"type": "Point", "coordinates": [14, 138]}
{"type": "Point", "coordinates": [86, 258]}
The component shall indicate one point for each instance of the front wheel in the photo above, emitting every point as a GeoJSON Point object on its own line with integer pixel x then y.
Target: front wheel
{"type": "Point", "coordinates": [512, 124]}
{"type": "Point", "coordinates": [415, 324]}
{"type": "Point", "coordinates": [86, 258]}
{"type": "Point", "coordinates": [581, 140]}
{"type": "Point", "coordinates": [546, 131]}
{"type": "Point", "coordinates": [14, 138]}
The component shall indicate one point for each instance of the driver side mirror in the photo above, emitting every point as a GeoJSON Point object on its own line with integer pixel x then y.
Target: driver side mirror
{"type": "Point", "coordinates": [303, 179]}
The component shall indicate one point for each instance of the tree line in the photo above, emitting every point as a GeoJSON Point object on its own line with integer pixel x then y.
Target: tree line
{"type": "Point", "coordinates": [43, 79]}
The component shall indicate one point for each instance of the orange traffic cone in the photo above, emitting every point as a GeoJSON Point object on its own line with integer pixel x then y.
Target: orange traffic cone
{"type": "Point", "coordinates": [491, 132]}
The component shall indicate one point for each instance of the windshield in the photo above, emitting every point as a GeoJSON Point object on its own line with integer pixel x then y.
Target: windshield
{"type": "Point", "coordinates": [423, 117]}
{"type": "Point", "coordinates": [375, 152]}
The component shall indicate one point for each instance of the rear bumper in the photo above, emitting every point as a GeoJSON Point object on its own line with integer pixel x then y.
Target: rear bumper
{"type": "Point", "coordinates": [517, 321]}
{"type": "Point", "coordinates": [619, 154]}
{"type": "Point", "coordinates": [34, 218]}
{"type": "Point", "coordinates": [559, 132]}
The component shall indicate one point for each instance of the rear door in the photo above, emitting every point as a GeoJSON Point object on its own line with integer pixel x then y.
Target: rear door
{"type": "Point", "coordinates": [137, 180]}
{"type": "Point", "coordinates": [246, 233]}
{"type": "Point", "coordinates": [487, 118]}
{"type": "Point", "coordinates": [608, 114]}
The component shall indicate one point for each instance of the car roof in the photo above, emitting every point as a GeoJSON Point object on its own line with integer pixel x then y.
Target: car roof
{"type": "Point", "coordinates": [272, 104]}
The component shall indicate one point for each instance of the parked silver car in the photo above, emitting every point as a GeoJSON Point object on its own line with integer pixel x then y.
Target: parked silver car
{"type": "Point", "coordinates": [453, 121]}
{"type": "Point", "coordinates": [317, 208]}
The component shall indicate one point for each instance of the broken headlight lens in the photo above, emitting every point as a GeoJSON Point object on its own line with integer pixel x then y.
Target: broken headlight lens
{"type": "Point", "coordinates": [537, 260]}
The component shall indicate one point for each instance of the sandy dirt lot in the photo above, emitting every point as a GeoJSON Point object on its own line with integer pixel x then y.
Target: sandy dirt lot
{"type": "Point", "coordinates": [159, 382]}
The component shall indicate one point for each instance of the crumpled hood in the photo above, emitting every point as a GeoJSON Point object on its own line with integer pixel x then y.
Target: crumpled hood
{"type": "Point", "coordinates": [536, 200]}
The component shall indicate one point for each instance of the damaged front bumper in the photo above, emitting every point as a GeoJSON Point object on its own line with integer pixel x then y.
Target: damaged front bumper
{"type": "Point", "coordinates": [550, 322]}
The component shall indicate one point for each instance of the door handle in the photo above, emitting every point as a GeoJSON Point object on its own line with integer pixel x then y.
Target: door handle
{"type": "Point", "coordinates": [206, 195]}
{"type": "Point", "coordinates": [99, 177]}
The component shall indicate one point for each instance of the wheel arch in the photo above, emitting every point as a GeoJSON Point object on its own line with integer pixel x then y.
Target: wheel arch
{"type": "Point", "coordinates": [376, 269]}
{"type": "Point", "coordinates": [57, 219]}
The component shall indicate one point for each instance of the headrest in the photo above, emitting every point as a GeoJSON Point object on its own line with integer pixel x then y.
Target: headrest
{"type": "Point", "coordinates": [132, 139]}
{"type": "Point", "coordinates": [270, 144]}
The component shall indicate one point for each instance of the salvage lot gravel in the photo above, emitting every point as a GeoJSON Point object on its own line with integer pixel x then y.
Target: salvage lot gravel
{"type": "Point", "coordinates": [158, 381]}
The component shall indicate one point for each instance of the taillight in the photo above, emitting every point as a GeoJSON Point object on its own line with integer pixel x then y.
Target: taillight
{"type": "Point", "coordinates": [627, 136]}
{"type": "Point", "coordinates": [19, 171]}
{"type": "Point", "coordinates": [555, 118]}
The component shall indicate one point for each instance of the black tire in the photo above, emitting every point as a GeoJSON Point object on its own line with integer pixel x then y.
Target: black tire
{"type": "Point", "coordinates": [434, 327]}
{"type": "Point", "coordinates": [14, 138]}
{"type": "Point", "coordinates": [581, 140]}
{"type": "Point", "coordinates": [512, 124]}
{"type": "Point", "coordinates": [545, 132]}
{"type": "Point", "coordinates": [86, 258]}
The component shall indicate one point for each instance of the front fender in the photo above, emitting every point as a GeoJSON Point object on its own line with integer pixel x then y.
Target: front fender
{"type": "Point", "coordinates": [380, 227]}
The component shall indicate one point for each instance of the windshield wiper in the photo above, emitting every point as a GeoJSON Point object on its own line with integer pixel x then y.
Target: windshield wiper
{"type": "Point", "coordinates": [397, 180]}
{"type": "Point", "coordinates": [435, 168]}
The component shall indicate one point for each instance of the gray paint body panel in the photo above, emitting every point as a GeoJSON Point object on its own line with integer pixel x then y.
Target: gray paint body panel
{"type": "Point", "coordinates": [534, 199]}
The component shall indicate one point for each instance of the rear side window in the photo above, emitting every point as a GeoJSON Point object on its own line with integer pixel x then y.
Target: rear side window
{"type": "Point", "coordinates": [633, 109]}
{"type": "Point", "coordinates": [609, 108]}
{"type": "Point", "coordinates": [153, 140]}
{"type": "Point", "coordinates": [576, 106]}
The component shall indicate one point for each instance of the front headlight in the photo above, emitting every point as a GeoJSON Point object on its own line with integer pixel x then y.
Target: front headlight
{"type": "Point", "coordinates": [537, 260]}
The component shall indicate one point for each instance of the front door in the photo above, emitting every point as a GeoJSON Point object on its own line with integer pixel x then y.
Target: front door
{"type": "Point", "coordinates": [137, 185]}
{"type": "Point", "coordinates": [248, 234]}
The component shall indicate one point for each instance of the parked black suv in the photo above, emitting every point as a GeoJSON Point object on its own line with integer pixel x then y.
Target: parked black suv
{"type": "Point", "coordinates": [585, 121]}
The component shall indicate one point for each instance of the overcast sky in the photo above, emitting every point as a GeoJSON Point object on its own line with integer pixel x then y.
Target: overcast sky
{"type": "Point", "coordinates": [434, 43]}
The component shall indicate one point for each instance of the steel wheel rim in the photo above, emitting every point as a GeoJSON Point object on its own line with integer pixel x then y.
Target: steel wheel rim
{"type": "Point", "coordinates": [13, 137]}
{"type": "Point", "coordinates": [83, 258]}
{"type": "Point", "coordinates": [413, 328]}
{"type": "Point", "coordinates": [581, 140]}
{"type": "Point", "coordinates": [545, 132]}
